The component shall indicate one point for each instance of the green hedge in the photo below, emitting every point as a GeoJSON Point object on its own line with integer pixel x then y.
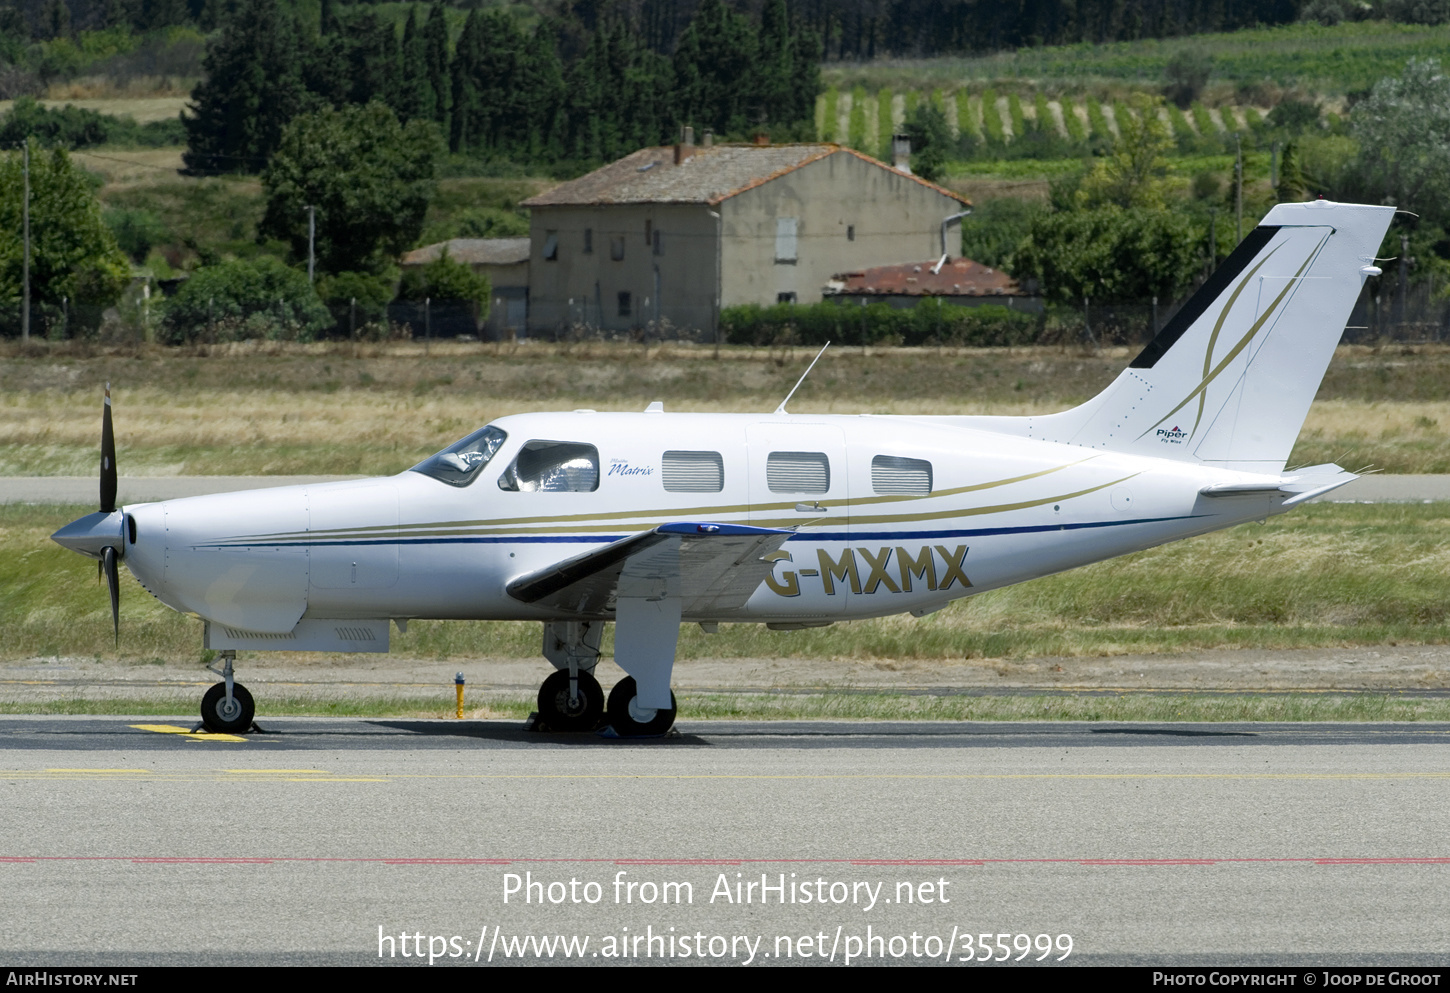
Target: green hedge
{"type": "Point", "coordinates": [928, 323]}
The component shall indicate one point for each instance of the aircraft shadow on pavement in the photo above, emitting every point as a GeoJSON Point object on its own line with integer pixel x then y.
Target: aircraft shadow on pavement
{"type": "Point", "coordinates": [518, 734]}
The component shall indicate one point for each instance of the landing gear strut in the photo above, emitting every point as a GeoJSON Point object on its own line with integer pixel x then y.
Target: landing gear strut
{"type": "Point", "coordinates": [227, 707]}
{"type": "Point", "coordinates": [571, 699]}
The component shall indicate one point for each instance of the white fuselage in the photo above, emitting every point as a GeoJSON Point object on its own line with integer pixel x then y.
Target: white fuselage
{"type": "Point", "coordinates": [868, 542]}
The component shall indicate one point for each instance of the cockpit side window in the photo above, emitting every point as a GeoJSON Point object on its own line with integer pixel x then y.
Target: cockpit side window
{"type": "Point", "coordinates": [553, 467]}
{"type": "Point", "coordinates": [459, 463]}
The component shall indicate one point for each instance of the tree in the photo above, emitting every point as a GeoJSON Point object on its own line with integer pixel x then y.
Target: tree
{"type": "Point", "coordinates": [931, 140]}
{"type": "Point", "coordinates": [1403, 129]}
{"type": "Point", "coordinates": [1187, 74]}
{"type": "Point", "coordinates": [368, 177]}
{"type": "Point", "coordinates": [444, 279]}
{"type": "Point", "coordinates": [252, 88]}
{"type": "Point", "coordinates": [260, 297]}
{"type": "Point", "coordinates": [1110, 254]}
{"type": "Point", "coordinates": [1133, 175]}
{"type": "Point", "coordinates": [73, 254]}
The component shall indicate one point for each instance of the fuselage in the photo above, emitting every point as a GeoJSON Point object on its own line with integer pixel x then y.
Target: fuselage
{"type": "Point", "coordinates": [889, 515]}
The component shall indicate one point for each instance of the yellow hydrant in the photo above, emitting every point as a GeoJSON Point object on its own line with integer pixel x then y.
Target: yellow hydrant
{"type": "Point", "coordinates": [458, 686]}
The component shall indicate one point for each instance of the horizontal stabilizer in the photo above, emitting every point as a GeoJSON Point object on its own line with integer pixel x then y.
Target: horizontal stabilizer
{"type": "Point", "coordinates": [711, 568]}
{"type": "Point", "coordinates": [1306, 484]}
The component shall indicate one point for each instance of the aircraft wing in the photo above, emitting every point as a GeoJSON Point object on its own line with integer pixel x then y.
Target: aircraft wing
{"type": "Point", "coordinates": [709, 567]}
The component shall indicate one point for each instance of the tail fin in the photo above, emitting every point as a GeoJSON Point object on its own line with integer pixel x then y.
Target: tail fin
{"type": "Point", "coordinates": [1228, 381]}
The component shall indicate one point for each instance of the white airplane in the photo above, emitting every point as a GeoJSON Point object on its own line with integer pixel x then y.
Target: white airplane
{"type": "Point", "coordinates": [654, 519]}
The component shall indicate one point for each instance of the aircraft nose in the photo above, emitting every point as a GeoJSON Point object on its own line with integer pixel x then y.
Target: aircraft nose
{"type": "Point", "coordinates": [90, 534]}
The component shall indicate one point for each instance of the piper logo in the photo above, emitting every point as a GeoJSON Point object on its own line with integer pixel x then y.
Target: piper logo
{"type": "Point", "coordinates": [1172, 436]}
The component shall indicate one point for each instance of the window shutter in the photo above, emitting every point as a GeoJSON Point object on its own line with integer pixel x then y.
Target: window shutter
{"type": "Point", "coordinates": [798, 472]}
{"type": "Point", "coordinates": [694, 472]}
{"type": "Point", "coordinates": [894, 474]}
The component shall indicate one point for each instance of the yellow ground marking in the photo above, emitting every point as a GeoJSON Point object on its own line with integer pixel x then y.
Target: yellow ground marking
{"type": "Point", "coordinates": [275, 772]}
{"type": "Point", "coordinates": [188, 733]}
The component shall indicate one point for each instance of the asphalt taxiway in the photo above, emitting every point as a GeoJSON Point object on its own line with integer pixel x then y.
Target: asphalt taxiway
{"type": "Point", "coordinates": [135, 840]}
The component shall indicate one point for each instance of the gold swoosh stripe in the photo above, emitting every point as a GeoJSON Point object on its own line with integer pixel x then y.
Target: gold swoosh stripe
{"type": "Point", "coordinates": [614, 518]}
{"type": "Point", "coordinates": [1243, 342]}
{"type": "Point", "coordinates": [1217, 327]}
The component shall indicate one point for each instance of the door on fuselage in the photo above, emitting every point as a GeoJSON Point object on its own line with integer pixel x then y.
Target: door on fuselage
{"type": "Point", "coordinates": [798, 479]}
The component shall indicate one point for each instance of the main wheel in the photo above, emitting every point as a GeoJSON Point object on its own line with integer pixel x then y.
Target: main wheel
{"type": "Point", "coordinates": [560, 713]}
{"type": "Point", "coordinates": [219, 718]}
{"type": "Point", "coordinates": [630, 720]}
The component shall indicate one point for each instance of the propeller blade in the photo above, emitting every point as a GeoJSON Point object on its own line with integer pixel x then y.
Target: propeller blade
{"type": "Point", "coordinates": [108, 458]}
{"type": "Point", "coordinates": [113, 581]}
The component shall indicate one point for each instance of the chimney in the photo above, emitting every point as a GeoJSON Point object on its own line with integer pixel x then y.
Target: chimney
{"type": "Point", "coordinates": [709, 140]}
{"type": "Point", "coordinates": [685, 147]}
{"type": "Point", "coordinates": [901, 153]}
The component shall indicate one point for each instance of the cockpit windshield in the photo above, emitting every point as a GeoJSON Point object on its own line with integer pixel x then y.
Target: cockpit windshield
{"type": "Point", "coordinates": [459, 463]}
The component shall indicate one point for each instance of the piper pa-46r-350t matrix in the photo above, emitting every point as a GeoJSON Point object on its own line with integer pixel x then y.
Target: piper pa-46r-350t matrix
{"type": "Point", "coordinates": [655, 519]}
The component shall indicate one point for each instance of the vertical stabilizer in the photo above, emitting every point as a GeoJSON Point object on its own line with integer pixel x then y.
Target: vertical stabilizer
{"type": "Point", "coordinates": [1228, 381]}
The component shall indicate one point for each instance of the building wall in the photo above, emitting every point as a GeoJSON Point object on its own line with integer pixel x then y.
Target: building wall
{"type": "Point", "coordinates": [583, 287]}
{"type": "Point", "coordinates": [895, 219]}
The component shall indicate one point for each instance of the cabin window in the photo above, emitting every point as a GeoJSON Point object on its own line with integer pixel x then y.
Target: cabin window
{"type": "Point", "coordinates": [893, 474]}
{"type": "Point", "coordinates": [588, 241]}
{"type": "Point", "coordinates": [693, 472]}
{"type": "Point", "coordinates": [551, 246]}
{"type": "Point", "coordinates": [553, 467]}
{"type": "Point", "coordinates": [457, 464]}
{"type": "Point", "coordinates": [798, 472]}
{"type": "Point", "coordinates": [785, 240]}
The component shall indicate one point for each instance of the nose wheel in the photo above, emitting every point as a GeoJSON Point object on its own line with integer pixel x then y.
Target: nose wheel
{"type": "Point", "coordinates": [221, 715]}
{"type": "Point", "coordinates": [227, 707]}
{"type": "Point", "coordinates": [563, 710]}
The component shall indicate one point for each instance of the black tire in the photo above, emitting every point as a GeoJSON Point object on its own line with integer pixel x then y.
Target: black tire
{"type": "Point", "coordinates": [625, 724]}
{"type": "Point", "coordinates": [559, 713]}
{"type": "Point", "coordinates": [217, 720]}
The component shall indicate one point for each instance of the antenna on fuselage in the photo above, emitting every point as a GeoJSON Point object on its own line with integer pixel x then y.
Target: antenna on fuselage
{"type": "Point", "coordinates": [781, 409]}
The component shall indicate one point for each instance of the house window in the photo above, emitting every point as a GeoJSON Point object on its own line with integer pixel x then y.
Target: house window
{"type": "Point", "coordinates": [616, 248]}
{"type": "Point", "coordinates": [625, 307]}
{"type": "Point", "coordinates": [693, 472]}
{"type": "Point", "coordinates": [657, 247]}
{"type": "Point", "coordinates": [895, 474]}
{"type": "Point", "coordinates": [649, 232]}
{"type": "Point", "coordinates": [798, 472]}
{"type": "Point", "coordinates": [551, 246]}
{"type": "Point", "coordinates": [785, 298]}
{"type": "Point", "coordinates": [850, 232]}
{"type": "Point", "coordinates": [588, 241]}
{"type": "Point", "coordinates": [785, 240]}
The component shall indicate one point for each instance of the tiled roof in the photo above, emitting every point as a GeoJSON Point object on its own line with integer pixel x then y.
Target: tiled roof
{"type": "Point", "coordinates": [957, 277]}
{"type": "Point", "coordinates": [709, 175]}
{"type": "Point", "coordinates": [473, 251]}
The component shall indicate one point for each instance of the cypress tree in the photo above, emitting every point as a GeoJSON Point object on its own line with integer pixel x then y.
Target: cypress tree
{"type": "Point", "coordinates": [415, 95]}
{"type": "Point", "coordinates": [466, 111]}
{"type": "Point", "coordinates": [252, 87]}
{"type": "Point", "coordinates": [435, 49]}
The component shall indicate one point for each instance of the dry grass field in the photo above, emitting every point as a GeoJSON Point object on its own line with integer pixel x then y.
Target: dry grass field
{"type": "Point", "coordinates": [334, 409]}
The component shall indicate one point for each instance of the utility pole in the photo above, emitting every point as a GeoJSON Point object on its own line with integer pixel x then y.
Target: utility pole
{"type": "Point", "coordinates": [1238, 189]}
{"type": "Point", "coordinates": [25, 266]}
{"type": "Point", "coordinates": [311, 235]}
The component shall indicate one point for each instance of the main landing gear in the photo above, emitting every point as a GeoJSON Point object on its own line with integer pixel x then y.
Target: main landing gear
{"type": "Point", "coordinates": [571, 698]}
{"type": "Point", "coordinates": [227, 707]}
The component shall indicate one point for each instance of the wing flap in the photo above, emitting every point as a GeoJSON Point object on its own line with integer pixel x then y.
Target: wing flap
{"type": "Point", "coordinates": [709, 567]}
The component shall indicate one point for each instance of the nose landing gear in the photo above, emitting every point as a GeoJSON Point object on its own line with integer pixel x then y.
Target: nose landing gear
{"type": "Point", "coordinates": [227, 707]}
